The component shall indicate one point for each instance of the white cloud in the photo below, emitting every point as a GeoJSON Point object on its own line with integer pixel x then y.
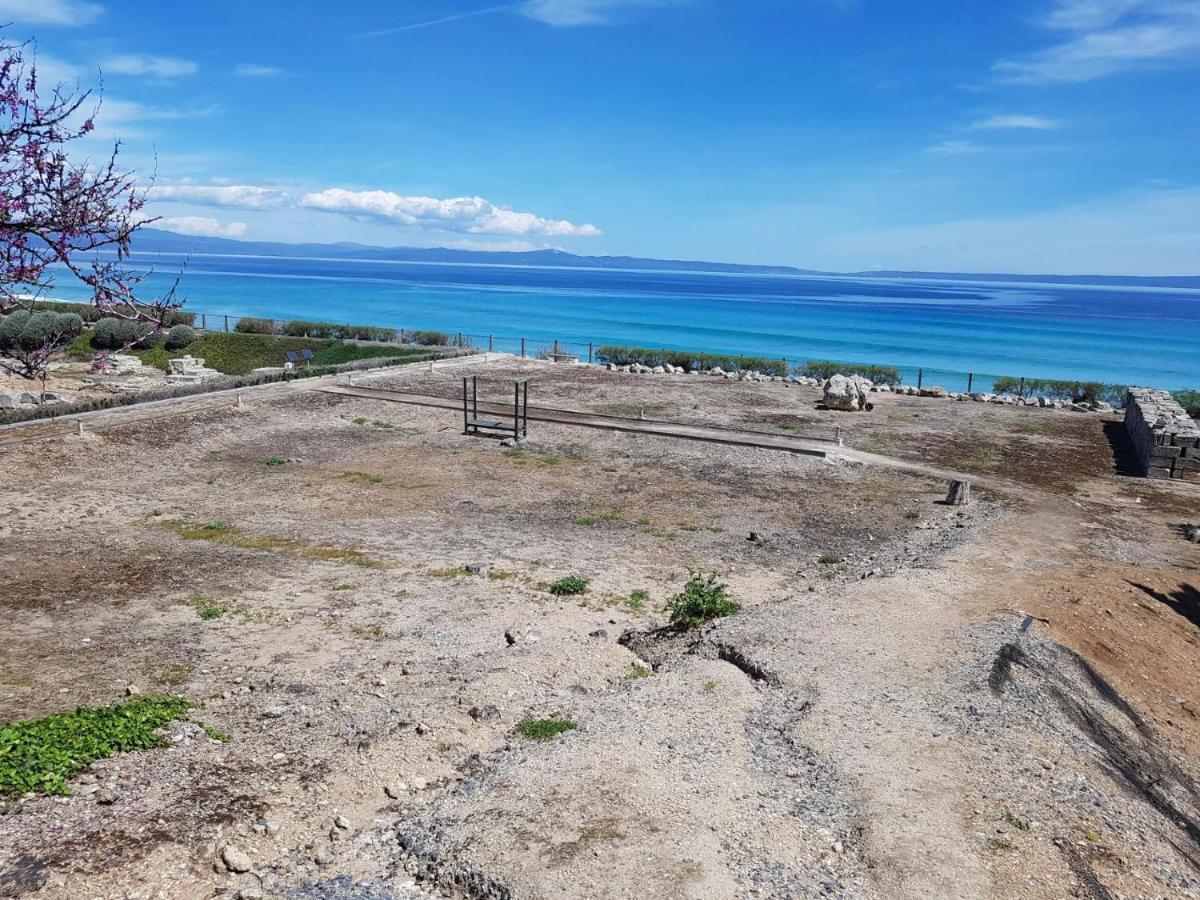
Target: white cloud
{"type": "Point", "coordinates": [470, 215]}
{"type": "Point", "coordinates": [954, 148]}
{"type": "Point", "coordinates": [254, 70]}
{"type": "Point", "coordinates": [1106, 37]}
{"type": "Point", "coordinates": [115, 112]}
{"type": "Point", "coordinates": [1035, 123]}
{"type": "Point", "coordinates": [201, 226]}
{"type": "Point", "coordinates": [49, 12]}
{"type": "Point", "coordinates": [237, 196]}
{"type": "Point", "coordinates": [155, 66]}
{"type": "Point", "coordinates": [580, 12]}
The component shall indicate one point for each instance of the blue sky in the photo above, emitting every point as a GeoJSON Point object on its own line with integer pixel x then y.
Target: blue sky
{"type": "Point", "coordinates": [969, 135]}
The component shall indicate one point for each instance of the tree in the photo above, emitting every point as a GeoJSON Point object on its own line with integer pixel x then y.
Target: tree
{"type": "Point", "coordinates": [61, 216]}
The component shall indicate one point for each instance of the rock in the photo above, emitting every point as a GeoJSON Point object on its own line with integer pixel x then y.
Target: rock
{"type": "Point", "coordinates": [323, 856]}
{"type": "Point", "coordinates": [598, 633]}
{"type": "Point", "coordinates": [271, 827]}
{"type": "Point", "coordinates": [274, 712]}
{"type": "Point", "coordinates": [658, 370]}
{"type": "Point", "coordinates": [7, 402]}
{"type": "Point", "coordinates": [484, 713]}
{"type": "Point", "coordinates": [475, 569]}
{"type": "Point", "coordinates": [250, 893]}
{"type": "Point", "coordinates": [342, 822]}
{"type": "Point", "coordinates": [106, 797]}
{"type": "Point", "coordinates": [132, 690]}
{"type": "Point", "coordinates": [236, 860]}
{"type": "Point", "coordinates": [933, 391]}
{"type": "Point", "coordinates": [395, 791]}
{"type": "Point", "coordinates": [847, 393]}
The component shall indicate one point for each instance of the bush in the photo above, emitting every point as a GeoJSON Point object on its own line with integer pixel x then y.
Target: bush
{"type": "Point", "coordinates": [1190, 401]}
{"type": "Point", "coordinates": [1062, 389]}
{"type": "Point", "coordinates": [544, 729]}
{"type": "Point", "coordinates": [570, 586]}
{"type": "Point", "coordinates": [91, 313]}
{"type": "Point", "coordinates": [249, 325]}
{"type": "Point", "coordinates": [824, 368]}
{"type": "Point", "coordinates": [702, 599]}
{"type": "Point", "coordinates": [428, 338]}
{"type": "Point", "coordinates": [336, 331]}
{"type": "Point", "coordinates": [113, 334]}
{"type": "Point", "coordinates": [26, 332]}
{"type": "Point", "coordinates": [179, 337]}
{"type": "Point", "coordinates": [688, 359]}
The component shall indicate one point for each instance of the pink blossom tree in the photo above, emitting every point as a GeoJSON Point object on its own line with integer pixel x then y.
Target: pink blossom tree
{"type": "Point", "coordinates": [61, 217]}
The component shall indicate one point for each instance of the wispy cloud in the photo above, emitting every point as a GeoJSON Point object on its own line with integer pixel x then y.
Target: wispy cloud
{"type": "Point", "coordinates": [468, 215]}
{"type": "Point", "coordinates": [567, 13]}
{"type": "Point", "coordinates": [69, 13]}
{"type": "Point", "coordinates": [237, 196]}
{"type": "Point", "coordinates": [254, 70]}
{"type": "Point", "coordinates": [440, 20]}
{"type": "Point", "coordinates": [1106, 37]}
{"type": "Point", "coordinates": [954, 148]}
{"type": "Point", "coordinates": [201, 226]}
{"type": "Point", "coordinates": [1033, 123]}
{"type": "Point", "coordinates": [154, 66]}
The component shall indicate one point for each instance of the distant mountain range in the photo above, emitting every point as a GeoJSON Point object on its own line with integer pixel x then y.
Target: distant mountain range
{"type": "Point", "coordinates": [153, 240]}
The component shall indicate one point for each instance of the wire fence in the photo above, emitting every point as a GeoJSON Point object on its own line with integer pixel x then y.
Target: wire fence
{"type": "Point", "coordinates": [539, 347]}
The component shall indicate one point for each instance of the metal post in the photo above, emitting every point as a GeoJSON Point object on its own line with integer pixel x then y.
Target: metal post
{"type": "Point", "coordinates": [227, 323]}
{"type": "Point", "coordinates": [920, 378]}
{"type": "Point", "coordinates": [970, 381]}
{"type": "Point", "coordinates": [589, 353]}
{"type": "Point", "coordinates": [203, 322]}
{"type": "Point", "coordinates": [525, 411]}
{"type": "Point", "coordinates": [466, 428]}
{"type": "Point", "coordinates": [516, 408]}
{"type": "Point", "coordinates": [522, 348]}
{"type": "Point", "coordinates": [491, 346]}
{"type": "Point", "coordinates": [1022, 387]}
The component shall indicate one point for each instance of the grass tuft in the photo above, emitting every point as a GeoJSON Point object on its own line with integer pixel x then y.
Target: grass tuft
{"type": "Point", "coordinates": [829, 559]}
{"type": "Point", "coordinates": [544, 729]}
{"type": "Point", "coordinates": [208, 609]}
{"type": "Point", "coordinates": [224, 533]}
{"type": "Point", "coordinates": [571, 586]}
{"type": "Point", "coordinates": [41, 755]}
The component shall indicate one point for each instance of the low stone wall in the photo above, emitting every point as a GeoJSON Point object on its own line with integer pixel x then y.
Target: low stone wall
{"type": "Point", "coordinates": [1165, 440]}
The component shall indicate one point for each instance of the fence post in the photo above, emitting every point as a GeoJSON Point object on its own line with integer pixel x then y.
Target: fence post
{"type": "Point", "coordinates": [589, 353]}
{"type": "Point", "coordinates": [460, 340]}
{"type": "Point", "coordinates": [203, 322]}
{"type": "Point", "coordinates": [490, 344]}
{"type": "Point", "coordinates": [522, 348]}
{"type": "Point", "coordinates": [970, 381]}
{"type": "Point", "coordinates": [556, 346]}
{"type": "Point", "coordinates": [1022, 387]}
{"type": "Point", "coordinates": [920, 378]}
{"type": "Point", "coordinates": [227, 323]}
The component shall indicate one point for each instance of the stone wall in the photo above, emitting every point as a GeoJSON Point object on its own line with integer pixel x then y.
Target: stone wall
{"type": "Point", "coordinates": [1166, 442]}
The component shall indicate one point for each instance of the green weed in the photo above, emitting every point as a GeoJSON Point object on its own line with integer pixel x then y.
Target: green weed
{"type": "Point", "coordinates": [544, 729]}
{"type": "Point", "coordinates": [702, 599]}
{"type": "Point", "coordinates": [570, 586]}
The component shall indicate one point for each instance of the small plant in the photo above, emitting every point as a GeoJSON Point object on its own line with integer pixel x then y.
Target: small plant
{"type": "Point", "coordinates": [40, 755]}
{"type": "Point", "coordinates": [635, 672]}
{"type": "Point", "coordinates": [829, 559]}
{"type": "Point", "coordinates": [710, 686]}
{"type": "Point", "coordinates": [571, 586]}
{"type": "Point", "coordinates": [378, 423]}
{"type": "Point", "coordinates": [638, 598]}
{"type": "Point", "coordinates": [172, 676]}
{"type": "Point", "coordinates": [515, 454]}
{"type": "Point", "coordinates": [276, 461]}
{"type": "Point", "coordinates": [999, 845]}
{"type": "Point", "coordinates": [1016, 821]}
{"type": "Point", "coordinates": [547, 459]}
{"type": "Point", "coordinates": [208, 609]}
{"type": "Point", "coordinates": [448, 572]}
{"type": "Point", "coordinates": [587, 521]}
{"type": "Point", "coordinates": [216, 734]}
{"type": "Point", "coordinates": [344, 587]}
{"type": "Point", "coordinates": [361, 477]}
{"type": "Point", "coordinates": [544, 729]}
{"type": "Point", "coordinates": [359, 420]}
{"type": "Point", "coordinates": [501, 575]}
{"type": "Point", "coordinates": [702, 599]}
{"type": "Point", "coordinates": [369, 632]}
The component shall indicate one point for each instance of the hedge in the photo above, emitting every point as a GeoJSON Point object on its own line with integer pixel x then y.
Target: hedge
{"type": "Point", "coordinates": [1062, 389]}
{"type": "Point", "coordinates": [428, 338]}
{"type": "Point", "coordinates": [337, 331]}
{"type": "Point", "coordinates": [23, 331]}
{"type": "Point", "coordinates": [250, 325]}
{"type": "Point", "coordinates": [689, 359]}
{"type": "Point", "coordinates": [91, 313]}
{"type": "Point", "coordinates": [113, 334]}
{"type": "Point", "coordinates": [825, 368]}
{"type": "Point", "coordinates": [1190, 401]}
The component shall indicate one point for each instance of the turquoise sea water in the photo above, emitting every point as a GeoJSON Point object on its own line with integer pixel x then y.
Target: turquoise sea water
{"type": "Point", "coordinates": [1128, 335]}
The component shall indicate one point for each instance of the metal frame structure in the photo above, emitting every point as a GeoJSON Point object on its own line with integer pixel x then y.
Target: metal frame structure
{"type": "Point", "coordinates": [472, 424]}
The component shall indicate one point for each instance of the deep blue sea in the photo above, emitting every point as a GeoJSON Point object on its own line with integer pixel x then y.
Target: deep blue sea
{"type": "Point", "coordinates": [1145, 336]}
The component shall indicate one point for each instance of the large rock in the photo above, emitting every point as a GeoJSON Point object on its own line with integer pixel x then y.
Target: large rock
{"type": "Point", "coordinates": [847, 392]}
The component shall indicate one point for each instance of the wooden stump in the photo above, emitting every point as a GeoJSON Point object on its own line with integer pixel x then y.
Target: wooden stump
{"type": "Point", "coordinates": [960, 493]}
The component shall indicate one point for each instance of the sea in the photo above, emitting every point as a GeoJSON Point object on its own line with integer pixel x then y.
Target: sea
{"type": "Point", "coordinates": [940, 332]}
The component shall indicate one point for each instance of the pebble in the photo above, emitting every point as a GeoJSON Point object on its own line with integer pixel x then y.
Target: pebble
{"type": "Point", "coordinates": [395, 791]}
{"type": "Point", "coordinates": [341, 822]}
{"type": "Point", "coordinates": [323, 856]}
{"type": "Point", "coordinates": [236, 860]}
{"type": "Point", "coordinates": [274, 712]}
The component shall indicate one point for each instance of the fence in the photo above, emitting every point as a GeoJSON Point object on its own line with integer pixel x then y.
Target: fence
{"type": "Point", "coordinates": [586, 351]}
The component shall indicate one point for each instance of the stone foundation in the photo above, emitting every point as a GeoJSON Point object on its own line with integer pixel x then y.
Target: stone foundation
{"type": "Point", "coordinates": [1166, 442]}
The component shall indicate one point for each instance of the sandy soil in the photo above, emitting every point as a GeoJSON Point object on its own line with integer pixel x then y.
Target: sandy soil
{"type": "Point", "coordinates": [1000, 701]}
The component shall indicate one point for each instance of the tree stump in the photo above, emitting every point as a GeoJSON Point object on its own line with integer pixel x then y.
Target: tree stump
{"type": "Point", "coordinates": [960, 493]}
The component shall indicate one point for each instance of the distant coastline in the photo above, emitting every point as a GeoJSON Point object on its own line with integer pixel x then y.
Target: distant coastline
{"type": "Point", "coordinates": [153, 240]}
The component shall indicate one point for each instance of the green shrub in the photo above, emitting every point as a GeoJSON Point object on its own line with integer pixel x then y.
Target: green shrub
{"type": "Point", "coordinates": [689, 359]}
{"type": "Point", "coordinates": [1190, 401]}
{"type": "Point", "coordinates": [544, 729]}
{"type": "Point", "coordinates": [1062, 389]}
{"type": "Point", "coordinates": [25, 332]}
{"type": "Point", "coordinates": [248, 325]}
{"type": "Point", "coordinates": [114, 334]}
{"type": "Point", "coordinates": [40, 755]}
{"type": "Point", "coordinates": [825, 368]}
{"type": "Point", "coordinates": [570, 586]}
{"type": "Point", "coordinates": [91, 313]}
{"type": "Point", "coordinates": [179, 337]}
{"type": "Point", "coordinates": [428, 338]}
{"type": "Point", "coordinates": [337, 331]}
{"type": "Point", "coordinates": [702, 599]}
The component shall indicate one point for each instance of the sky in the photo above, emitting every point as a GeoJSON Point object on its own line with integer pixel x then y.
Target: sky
{"type": "Point", "coordinates": [1029, 136]}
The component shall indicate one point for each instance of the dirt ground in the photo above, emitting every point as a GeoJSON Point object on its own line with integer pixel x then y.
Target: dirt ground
{"type": "Point", "coordinates": [1001, 700]}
